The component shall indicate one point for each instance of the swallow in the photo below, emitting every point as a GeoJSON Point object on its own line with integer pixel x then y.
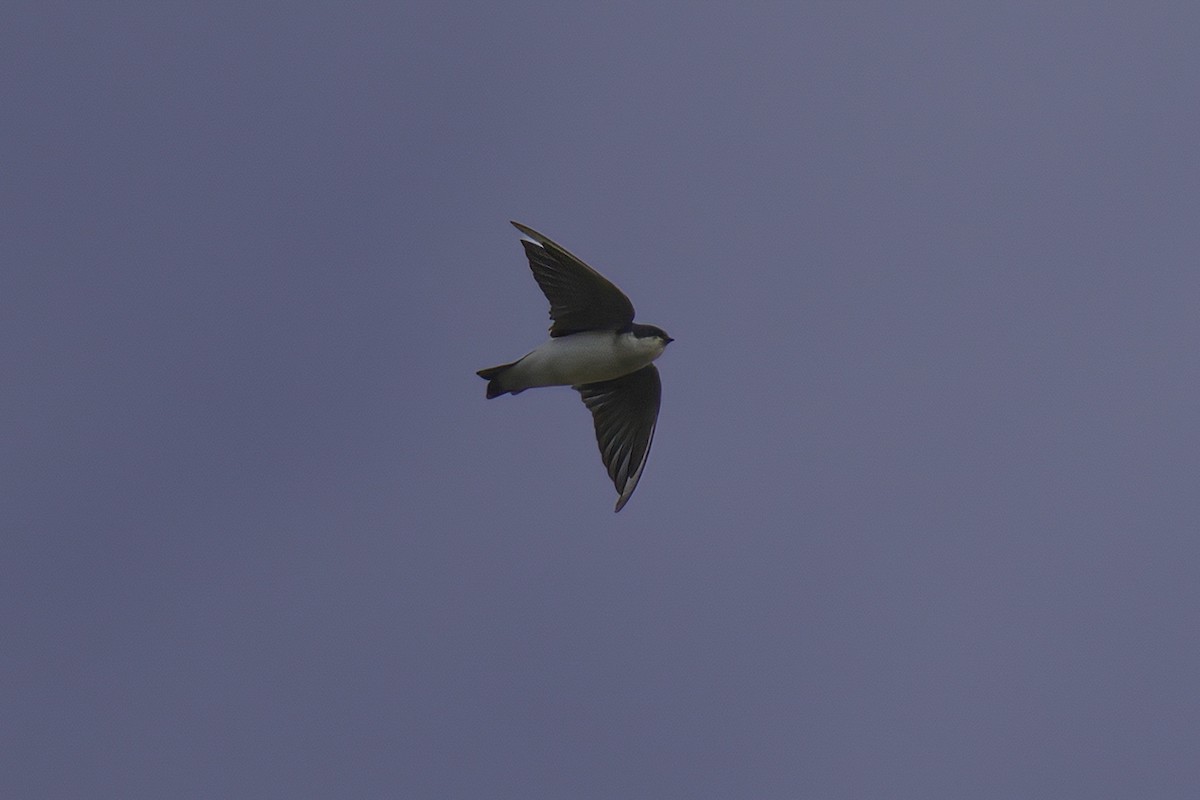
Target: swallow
{"type": "Point", "coordinates": [597, 349]}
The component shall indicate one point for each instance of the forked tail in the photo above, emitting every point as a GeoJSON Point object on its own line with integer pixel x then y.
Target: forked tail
{"type": "Point", "coordinates": [495, 378]}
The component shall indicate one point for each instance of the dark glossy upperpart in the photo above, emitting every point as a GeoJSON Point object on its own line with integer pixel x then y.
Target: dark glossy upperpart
{"type": "Point", "coordinates": [645, 331]}
{"type": "Point", "coordinates": [581, 299]}
{"type": "Point", "coordinates": [625, 412]}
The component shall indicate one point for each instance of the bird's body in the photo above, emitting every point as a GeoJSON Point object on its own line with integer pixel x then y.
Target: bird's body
{"type": "Point", "coordinates": [581, 358]}
{"type": "Point", "coordinates": [596, 348]}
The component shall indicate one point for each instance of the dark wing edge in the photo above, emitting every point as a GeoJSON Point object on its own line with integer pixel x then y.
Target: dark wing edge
{"type": "Point", "coordinates": [581, 299]}
{"type": "Point", "coordinates": [625, 413]}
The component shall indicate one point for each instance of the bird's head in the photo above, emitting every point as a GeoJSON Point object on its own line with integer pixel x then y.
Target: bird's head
{"type": "Point", "coordinates": [652, 332]}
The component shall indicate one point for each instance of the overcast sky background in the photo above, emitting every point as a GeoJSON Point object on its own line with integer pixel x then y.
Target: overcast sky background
{"type": "Point", "coordinates": [922, 514]}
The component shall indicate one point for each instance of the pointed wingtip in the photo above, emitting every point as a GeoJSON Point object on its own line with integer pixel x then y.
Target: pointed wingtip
{"type": "Point", "coordinates": [527, 231]}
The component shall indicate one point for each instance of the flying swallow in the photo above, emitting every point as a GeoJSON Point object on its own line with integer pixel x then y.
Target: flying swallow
{"type": "Point", "coordinates": [597, 349]}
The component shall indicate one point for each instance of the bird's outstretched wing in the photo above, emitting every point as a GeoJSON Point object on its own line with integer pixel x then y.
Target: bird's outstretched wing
{"type": "Point", "coordinates": [581, 299]}
{"type": "Point", "coordinates": [625, 412]}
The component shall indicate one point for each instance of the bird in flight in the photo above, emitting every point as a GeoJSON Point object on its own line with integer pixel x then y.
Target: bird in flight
{"type": "Point", "coordinates": [597, 349]}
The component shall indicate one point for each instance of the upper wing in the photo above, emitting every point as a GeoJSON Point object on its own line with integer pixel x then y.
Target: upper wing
{"type": "Point", "coordinates": [581, 299]}
{"type": "Point", "coordinates": [625, 411]}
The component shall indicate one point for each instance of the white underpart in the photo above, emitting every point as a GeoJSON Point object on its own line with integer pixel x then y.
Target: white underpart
{"type": "Point", "coordinates": [581, 358]}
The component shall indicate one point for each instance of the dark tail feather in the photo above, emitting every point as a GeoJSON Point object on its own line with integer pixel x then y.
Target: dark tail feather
{"type": "Point", "coordinates": [492, 375]}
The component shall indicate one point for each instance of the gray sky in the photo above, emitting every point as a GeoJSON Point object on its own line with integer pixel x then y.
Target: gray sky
{"type": "Point", "coordinates": [921, 517]}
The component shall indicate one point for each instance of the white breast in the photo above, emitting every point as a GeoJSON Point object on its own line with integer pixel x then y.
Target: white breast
{"type": "Point", "coordinates": [585, 357]}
